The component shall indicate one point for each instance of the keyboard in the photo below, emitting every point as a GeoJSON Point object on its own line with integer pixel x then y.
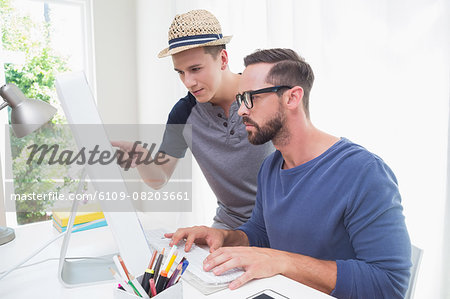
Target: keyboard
{"type": "Point", "coordinates": [195, 256]}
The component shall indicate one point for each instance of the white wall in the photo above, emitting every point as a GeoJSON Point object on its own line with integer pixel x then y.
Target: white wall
{"type": "Point", "coordinates": [135, 87]}
{"type": "Point", "coordinates": [159, 88]}
{"type": "Point", "coordinates": [385, 86]}
{"type": "Point", "coordinates": [115, 60]}
{"type": "Point", "coordinates": [446, 248]}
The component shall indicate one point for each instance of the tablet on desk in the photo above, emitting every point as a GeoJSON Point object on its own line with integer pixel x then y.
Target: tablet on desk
{"type": "Point", "coordinates": [267, 294]}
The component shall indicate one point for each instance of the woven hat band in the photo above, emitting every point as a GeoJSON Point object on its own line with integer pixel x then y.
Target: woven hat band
{"type": "Point", "coordinates": [193, 40]}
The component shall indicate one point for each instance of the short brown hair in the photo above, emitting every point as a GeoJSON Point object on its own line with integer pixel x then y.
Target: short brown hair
{"type": "Point", "coordinates": [214, 50]}
{"type": "Point", "coordinates": [289, 69]}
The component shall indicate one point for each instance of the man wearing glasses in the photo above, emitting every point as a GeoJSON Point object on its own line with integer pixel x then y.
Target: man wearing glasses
{"type": "Point", "coordinates": [219, 140]}
{"type": "Point", "coordinates": [327, 213]}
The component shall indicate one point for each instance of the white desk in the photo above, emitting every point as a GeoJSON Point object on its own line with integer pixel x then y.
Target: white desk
{"type": "Point", "coordinates": [41, 280]}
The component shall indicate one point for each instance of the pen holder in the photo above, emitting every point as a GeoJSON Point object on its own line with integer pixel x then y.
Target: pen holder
{"type": "Point", "coordinates": [174, 292]}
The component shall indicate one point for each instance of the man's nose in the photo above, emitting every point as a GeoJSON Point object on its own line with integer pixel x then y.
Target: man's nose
{"type": "Point", "coordinates": [190, 80]}
{"type": "Point", "coordinates": [243, 110]}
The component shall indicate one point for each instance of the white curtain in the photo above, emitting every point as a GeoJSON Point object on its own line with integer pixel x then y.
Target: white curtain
{"type": "Point", "coordinates": [382, 80]}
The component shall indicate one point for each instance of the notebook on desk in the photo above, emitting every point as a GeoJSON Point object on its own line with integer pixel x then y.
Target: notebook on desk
{"type": "Point", "coordinates": [205, 282]}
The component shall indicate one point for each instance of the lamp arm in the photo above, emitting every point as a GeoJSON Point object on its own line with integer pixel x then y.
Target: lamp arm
{"type": "Point", "coordinates": [31, 255]}
{"type": "Point", "coordinates": [3, 105]}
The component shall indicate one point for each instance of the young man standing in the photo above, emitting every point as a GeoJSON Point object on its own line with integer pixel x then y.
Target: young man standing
{"type": "Point", "coordinates": [219, 140]}
{"type": "Point", "coordinates": [327, 213]}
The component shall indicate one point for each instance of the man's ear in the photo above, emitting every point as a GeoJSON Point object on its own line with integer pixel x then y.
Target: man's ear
{"type": "Point", "coordinates": [223, 59]}
{"type": "Point", "coordinates": [295, 97]}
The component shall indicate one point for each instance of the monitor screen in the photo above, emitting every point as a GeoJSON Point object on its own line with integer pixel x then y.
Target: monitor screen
{"type": "Point", "coordinates": [86, 125]}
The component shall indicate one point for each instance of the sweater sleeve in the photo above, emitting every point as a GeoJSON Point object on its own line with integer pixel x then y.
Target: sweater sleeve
{"type": "Point", "coordinates": [255, 227]}
{"type": "Point", "coordinates": [377, 230]}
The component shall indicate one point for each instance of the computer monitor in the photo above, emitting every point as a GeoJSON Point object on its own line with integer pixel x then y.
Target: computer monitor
{"type": "Point", "coordinates": [81, 112]}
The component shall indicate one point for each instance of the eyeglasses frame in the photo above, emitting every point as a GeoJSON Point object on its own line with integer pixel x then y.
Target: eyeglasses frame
{"type": "Point", "coordinates": [247, 96]}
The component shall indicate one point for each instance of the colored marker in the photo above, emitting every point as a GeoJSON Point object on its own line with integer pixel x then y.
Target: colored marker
{"type": "Point", "coordinates": [161, 283]}
{"type": "Point", "coordinates": [152, 288]}
{"type": "Point", "coordinates": [183, 268]}
{"type": "Point", "coordinates": [158, 265]}
{"type": "Point", "coordinates": [172, 259]}
{"type": "Point", "coordinates": [134, 284]}
{"type": "Point", "coordinates": [185, 264]}
{"type": "Point", "coordinates": [174, 276]}
{"type": "Point", "coordinates": [149, 273]}
{"type": "Point", "coordinates": [150, 265]}
{"type": "Point", "coordinates": [119, 268]}
{"type": "Point", "coordinates": [130, 283]}
{"type": "Point", "coordinates": [124, 267]}
{"type": "Point", "coordinates": [172, 251]}
{"type": "Point", "coordinates": [138, 287]}
{"type": "Point", "coordinates": [122, 282]}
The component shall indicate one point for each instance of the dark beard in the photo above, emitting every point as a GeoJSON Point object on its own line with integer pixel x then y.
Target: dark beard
{"type": "Point", "coordinates": [266, 133]}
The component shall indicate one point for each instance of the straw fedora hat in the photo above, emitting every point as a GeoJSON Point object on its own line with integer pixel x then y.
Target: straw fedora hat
{"type": "Point", "coordinates": [196, 28]}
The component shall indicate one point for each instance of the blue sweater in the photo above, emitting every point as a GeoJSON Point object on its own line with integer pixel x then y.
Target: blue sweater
{"type": "Point", "coordinates": [343, 206]}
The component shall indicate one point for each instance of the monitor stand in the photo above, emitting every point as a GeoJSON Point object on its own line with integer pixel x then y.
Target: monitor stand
{"type": "Point", "coordinates": [74, 272]}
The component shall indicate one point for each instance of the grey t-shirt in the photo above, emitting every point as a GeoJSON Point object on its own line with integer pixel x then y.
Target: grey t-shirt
{"type": "Point", "coordinates": [220, 145]}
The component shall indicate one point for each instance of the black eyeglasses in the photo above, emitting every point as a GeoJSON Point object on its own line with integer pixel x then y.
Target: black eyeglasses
{"type": "Point", "coordinates": [247, 96]}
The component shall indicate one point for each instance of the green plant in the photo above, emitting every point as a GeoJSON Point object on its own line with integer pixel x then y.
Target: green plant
{"type": "Point", "coordinates": [36, 79]}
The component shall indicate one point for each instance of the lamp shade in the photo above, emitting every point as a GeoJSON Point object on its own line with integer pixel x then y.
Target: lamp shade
{"type": "Point", "coordinates": [27, 115]}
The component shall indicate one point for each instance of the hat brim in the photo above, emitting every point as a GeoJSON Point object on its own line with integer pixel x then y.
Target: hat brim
{"type": "Point", "coordinates": [166, 52]}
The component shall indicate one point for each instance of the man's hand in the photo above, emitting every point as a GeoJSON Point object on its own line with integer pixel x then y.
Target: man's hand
{"type": "Point", "coordinates": [129, 150]}
{"type": "Point", "coordinates": [204, 235]}
{"type": "Point", "coordinates": [257, 263]}
{"type": "Point", "coordinates": [155, 173]}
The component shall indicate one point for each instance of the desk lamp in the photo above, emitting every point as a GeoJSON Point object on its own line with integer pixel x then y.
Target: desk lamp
{"type": "Point", "coordinates": [27, 115]}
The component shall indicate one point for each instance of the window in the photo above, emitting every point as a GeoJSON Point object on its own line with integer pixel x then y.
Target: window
{"type": "Point", "coordinates": [41, 39]}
